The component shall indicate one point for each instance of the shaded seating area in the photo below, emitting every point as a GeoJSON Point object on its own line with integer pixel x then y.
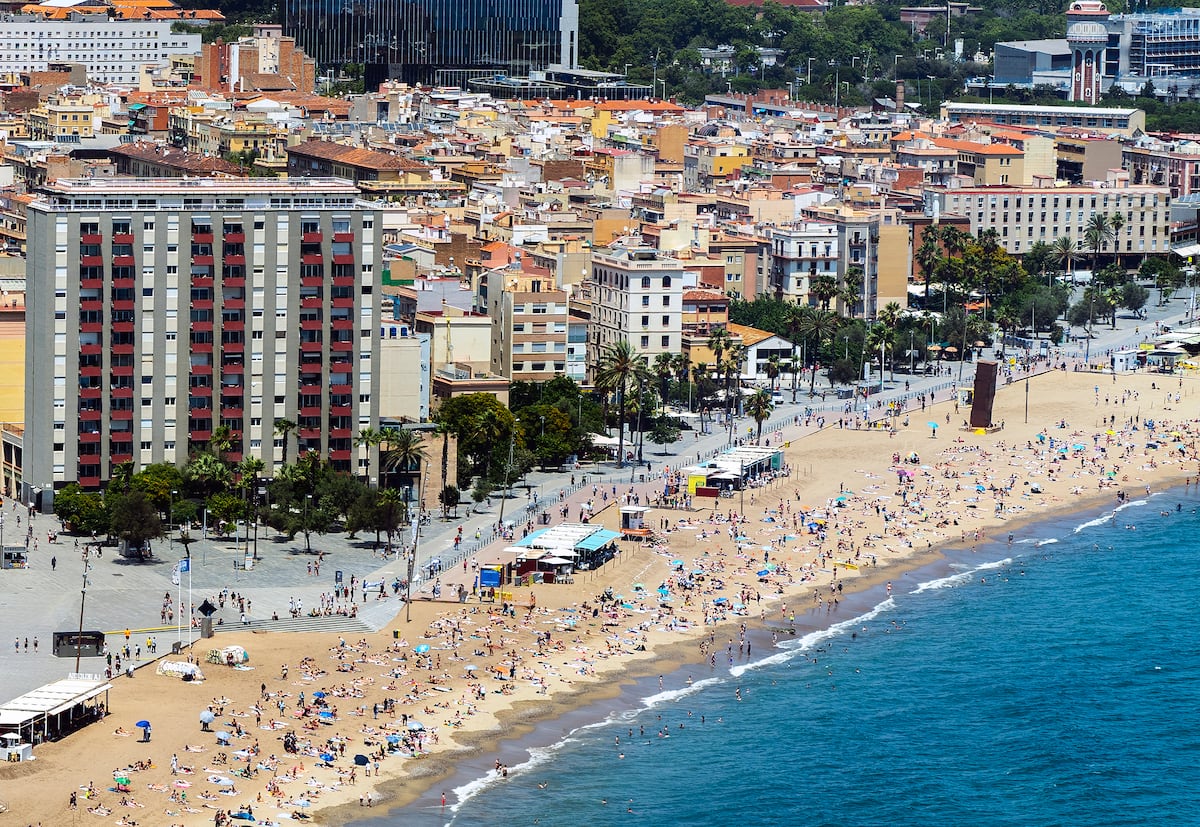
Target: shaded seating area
{"type": "Point", "coordinates": [55, 710]}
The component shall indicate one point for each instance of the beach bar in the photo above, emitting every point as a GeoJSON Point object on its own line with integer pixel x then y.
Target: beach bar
{"type": "Point", "coordinates": [731, 469]}
{"type": "Point", "coordinates": [56, 709]}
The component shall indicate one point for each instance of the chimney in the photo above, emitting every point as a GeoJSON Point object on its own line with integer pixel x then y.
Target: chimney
{"type": "Point", "coordinates": [899, 96]}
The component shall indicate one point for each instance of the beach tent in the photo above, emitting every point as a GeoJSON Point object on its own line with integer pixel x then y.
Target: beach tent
{"type": "Point", "coordinates": [179, 668]}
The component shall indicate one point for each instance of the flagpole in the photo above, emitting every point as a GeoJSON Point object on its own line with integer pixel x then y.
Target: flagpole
{"type": "Point", "coordinates": [189, 559]}
{"type": "Point", "coordinates": [179, 599]}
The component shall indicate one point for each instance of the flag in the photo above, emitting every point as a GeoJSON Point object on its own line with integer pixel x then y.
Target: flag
{"type": "Point", "coordinates": [175, 575]}
{"type": "Point", "coordinates": [185, 565]}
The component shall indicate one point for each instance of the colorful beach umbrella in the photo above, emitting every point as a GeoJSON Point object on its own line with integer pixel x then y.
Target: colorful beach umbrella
{"type": "Point", "coordinates": [207, 716]}
{"type": "Point", "coordinates": [421, 648]}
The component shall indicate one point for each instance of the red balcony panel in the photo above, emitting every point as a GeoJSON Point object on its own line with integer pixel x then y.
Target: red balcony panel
{"type": "Point", "coordinates": [89, 436]}
{"type": "Point", "coordinates": [91, 327]}
{"type": "Point", "coordinates": [122, 370]}
{"type": "Point", "coordinates": [90, 350]}
{"type": "Point", "coordinates": [310, 410]}
{"type": "Point", "coordinates": [201, 370]}
{"type": "Point", "coordinates": [201, 390]}
{"type": "Point", "coordinates": [91, 238]}
{"type": "Point", "coordinates": [122, 327]}
{"type": "Point", "coordinates": [202, 327]}
{"type": "Point", "coordinates": [312, 258]}
{"type": "Point", "coordinates": [202, 280]}
{"type": "Point", "coordinates": [90, 393]}
{"type": "Point", "coordinates": [89, 482]}
{"type": "Point", "coordinates": [121, 415]}
{"type": "Point", "coordinates": [343, 281]}
{"type": "Point", "coordinates": [122, 350]}
{"type": "Point", "coordinates": [312, 281]}
{"type": "Point", "coordinates": [311, 324]}
{"type": "Point", "coordinates": [311, 238]}
{"type": "Point", "coordinates": [234, 326]}
{"type": "Point", "coordinates": [233, 369]}
{"type": "Point", "coordinates": [235, 238]}
{"type": "Point", "coordinates": [203, 261]}
{"type": "Point", "coordinates": [91, 284]}
{"type": "Point", "coordinates": [202, 347]}
{"type": "Point", "coordinates": [91, 370]}
{"type": "Point", "coordinates": [123, 304]}
{"type": "Point", "coordinates": [341, 410]}
{"type": "Point", "coordinates": [123, 283]}
{"type": "Point", "coordinates": [234, 304]}
{"type": "Point", "coordinates": [233, 347]}
{"type": "Point", "coordinates": [343, 324]}
{"type": "Point", "coordinates": [310, 433]}
{"type": "Point", "coordinates": [205, 237]}
{"type": "Point", "coordinates": [339, 433]}
{"type": "Point", "coordinates": [121, 436]}
{"type": "Point", "coordinates": [86, 415]}
{"type": "Point", "coordinates": [343, 237]}
{"type": "Point", "coordinates": [311, 347]}
{"type": "Point", "coordinates": [123, 261]}
{"type": "Point", "coordinates": [341, 346]}
{"type": "Point", "coordinates": [342, 455]}
{"type": "Point", "coordinates": [121, 393]}
{"type": "Point", "coordinates": [122, 238]}
{"type": "Point", "coordinates": [346, 302]}
{"type": "Point", "coordinates": [343, 259]}
{"type": "Point", "coordinates": [231, 413]}
{"type": "Point", "coordinates": [235, 260]}
{"type": "Point", "coordinates": [202, 304]}
{"type": "Point", "coordinates": [91, 261]}
{"type": "Point", "coordinates": [91, 304]}
{"type": "Point", "coordinates": [311, 302]}
{"type": "Point", "coordinates": [200, 436]}
{"type": "Point", "coordinates": [310, 367]}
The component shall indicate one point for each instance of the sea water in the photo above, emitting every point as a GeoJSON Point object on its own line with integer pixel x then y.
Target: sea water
{"type": "Point", "coordinates": [1053, 681]}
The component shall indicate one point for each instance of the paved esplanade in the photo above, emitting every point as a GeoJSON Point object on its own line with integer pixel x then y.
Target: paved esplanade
{"type": "Point", "coordinates": [37, 601]}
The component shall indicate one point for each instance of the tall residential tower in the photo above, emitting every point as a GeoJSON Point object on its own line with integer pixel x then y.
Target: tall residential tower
{"type": "Point", "coordinates": [162, 309]}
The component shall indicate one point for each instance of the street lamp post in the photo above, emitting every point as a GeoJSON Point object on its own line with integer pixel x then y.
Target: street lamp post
{"type": "Point", "coordinates": [171, 513]}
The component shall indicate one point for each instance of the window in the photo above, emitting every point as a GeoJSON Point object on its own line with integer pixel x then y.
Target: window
{"type": "Point", "coordinates": [666, 301]}
{"type": "Point", "coordinates": [666, 341]}
{"type": "Point", "coordinates": [645, 301]}
{"type": "Point", "coordinates": [645, 282]}
{"type": "Point", "coordinates": [645, 341]}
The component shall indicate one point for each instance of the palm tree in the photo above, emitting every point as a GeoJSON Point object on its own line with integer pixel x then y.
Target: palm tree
{"type": "Point", "coordinates": [392, 512]}
{"type": "Point", "coordinates": [680, 367]}
{"type": "Point", "coordinates": [759, 406]}
{"type": "Point", "coordinates": [405, 452]}
{"type": "Point", "coordinates": [718, 343]}
{"type": "Point", "coordinates": [795, 324]}
{"type": "Point", "coordinates": [369, 438]}
{"type": "Point", "coordinates": [699, 372]}
{"type": "Point", "coordinates": [954, 241]}
{"type": "Point", "coordinates": [221, 441]}
{"type": "Point", "coordinates": [928, 256]}
{"type": "Point", "coordinates": [735, 361]}
{"type": "Point", "coordinates": [851, 292]}
{"type": "Point", "coordinates": [822, 326]}
{"type": "Point", "coordinates": [1116, 221]}
{"type": "Point", "coordinates": [823, 289]}
{"type": "Point", "coordinates": [207, 473]}
{"type": "Point", "coordinates": [772, 369]}
{"type": "Point", "coordinates": [664, 369]}
{"type": "Point", "coordinates": [621, 367]}
{"type": "Point", "coordinates": [283, 429]}
{"type": "Point", "coordinates": [1097, 235]}
{"type": "Point", "coordinates": [1062, 253]}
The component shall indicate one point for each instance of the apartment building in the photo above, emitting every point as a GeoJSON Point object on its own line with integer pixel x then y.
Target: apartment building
{"type": "Point", "coordinates": [637, 297]}
{"type": "Point", "coordinates": [112, 50]}
{"type": "Point", "coordinates": [799, 254]}
{"type": "Point", "coordinates": [529, 325]}
{"type": "Point", "coordinates": [1022, 216]}
{"type": "Point", "coordinates": [162, 309]}
{"type": "Point", "coordinates": [1173, 164]}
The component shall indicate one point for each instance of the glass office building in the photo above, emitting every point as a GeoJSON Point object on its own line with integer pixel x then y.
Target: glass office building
{"type": "Point", "coordinates": [430, 41]}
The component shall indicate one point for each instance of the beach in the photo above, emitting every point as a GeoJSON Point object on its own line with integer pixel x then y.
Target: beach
{"type": "Point", "coordinates": [856, 509]}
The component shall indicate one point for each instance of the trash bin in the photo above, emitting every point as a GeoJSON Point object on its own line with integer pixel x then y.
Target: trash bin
{"type": "Point", "coordinates": [641, 477]}
{"type": "Point", "coordinates": [176, 647]}
{"type": "Point", "coordinates": [395, 634]}
{"type": "Point", "coordinates": [206, 627]}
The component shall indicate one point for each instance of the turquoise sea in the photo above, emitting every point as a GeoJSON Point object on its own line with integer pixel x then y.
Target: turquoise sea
{"type": "Point", "coordinates": [1054, 681]}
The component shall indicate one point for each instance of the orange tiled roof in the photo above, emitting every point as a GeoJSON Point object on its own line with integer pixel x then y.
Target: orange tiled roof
{"type": "Point", "coordinates": [748, 335]}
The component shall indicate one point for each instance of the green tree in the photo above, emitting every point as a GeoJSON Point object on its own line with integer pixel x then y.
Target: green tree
{"type": "Point", "coordinates": [821, 326]}
{"type": "Point", "coordinates": [84, 511]}
{"type": "Point", "coordinates": [224, 510]}
{"type": "Point", "coordinates": [450, 497]}
{"type": "Point", "coordinates": [157, 481]}
{"type": "Point", "coordinates": [134, 519]}
{"type": "Point", "coordinates": [284, 428]}
{"type": "Point", "coordinates": [664, 431]}
{"type": "Point", "coordinates": [405, 454]}
{"type": "Point", "coordinates": [1097, 235]}
{"type": "Point", "coordinates": [1134, 296]}
{"type": "Point", "coordinates": [621, 368]}
{"type": "Point", "coordinates": [206, 474]}
{"type": "Point", "coordinates": [759, 407]}
{"type": "Point", "coordinates": [842, 372]}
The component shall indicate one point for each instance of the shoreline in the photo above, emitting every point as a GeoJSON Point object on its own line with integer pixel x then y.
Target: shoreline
{"type": "Point", "coordinates": [631, 692]}
{"type": "Point", "coordinates": [590, 662]}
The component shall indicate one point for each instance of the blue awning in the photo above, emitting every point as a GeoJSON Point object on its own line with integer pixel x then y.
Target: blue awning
{"type": "Point", "coordinates": [527, 541]}
{"type": "Point", "coordinates": [597, 541]}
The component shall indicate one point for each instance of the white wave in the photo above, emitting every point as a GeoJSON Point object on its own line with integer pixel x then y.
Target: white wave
{"type": "Point", "coordinates": [537, 757]}
{"type": "Point", "coordinates": [1101, 520]}
{"type": "Point", "coordinates": [669, 695]}
{"type": "Point", "coordinates": [1048, 542]}
{"type": "Point", "coordinates": [789, 651]}
{"type": "Point", "coordinates": [944, 582]}
{"type": "Point", "coordinates": [1007, 561]}
{"type": "Point", "coordinates": [1027, 540]}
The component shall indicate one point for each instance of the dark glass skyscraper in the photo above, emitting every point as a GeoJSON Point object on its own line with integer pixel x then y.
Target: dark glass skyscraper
{"type": "Point", "coordinates": [434, 40]}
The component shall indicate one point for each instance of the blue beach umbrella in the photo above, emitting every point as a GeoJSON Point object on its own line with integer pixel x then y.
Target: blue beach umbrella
{"type": "Point", "coordinates": [318, 694]}
{"type": "Point", "coordinates": [327, 757]}
{"type": "Point", "coordinates": [416, 726]}
{"type": "Point", "coordinates": [393, 739]}
{"type": "Point", "coordinates": [676, 562]}
{"type": "Point", "coordinates": [142, 724]}
{"type": "Point", "coordinates": [764, 573]}
{"type": "Point", "coordinates": [421, 648]}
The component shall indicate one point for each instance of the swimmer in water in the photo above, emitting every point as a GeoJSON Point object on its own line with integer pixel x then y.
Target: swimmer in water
{"type": "Point", "coordinates": [738, 693]}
